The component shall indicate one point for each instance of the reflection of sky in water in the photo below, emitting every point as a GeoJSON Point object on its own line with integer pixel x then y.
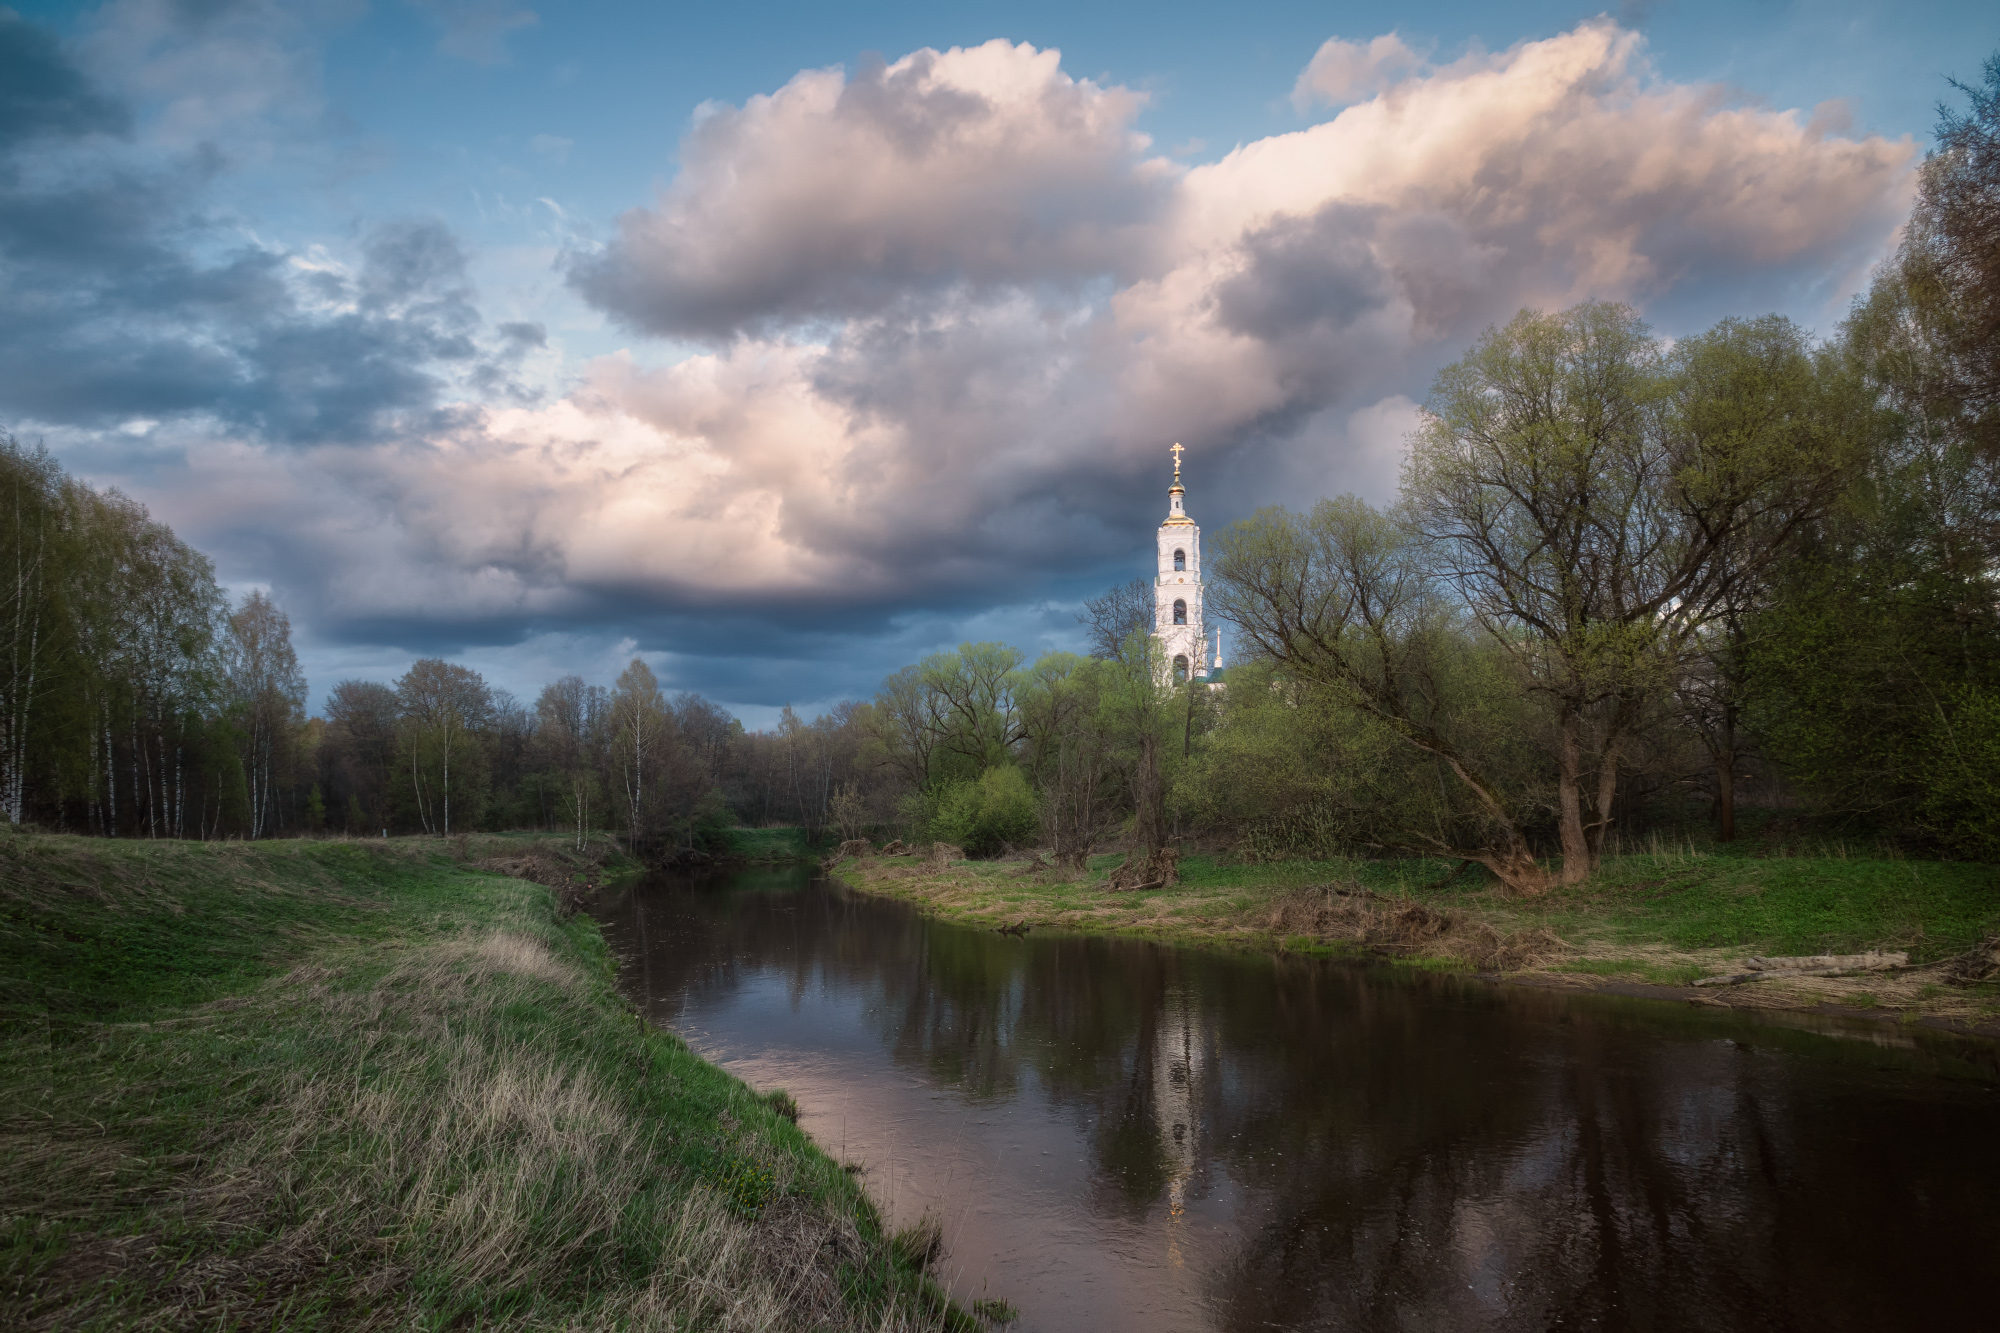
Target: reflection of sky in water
{"type": "Point", "coordinates": [1120, 1136]}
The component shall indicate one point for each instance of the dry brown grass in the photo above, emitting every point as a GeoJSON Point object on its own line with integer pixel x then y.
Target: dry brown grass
{"type": "Point", "coordinates": [1350, 914]}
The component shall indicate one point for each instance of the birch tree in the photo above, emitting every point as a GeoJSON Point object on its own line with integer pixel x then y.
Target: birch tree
{"type": "Point", "coordinates": [641, 732]}
{"type": "Point", "coordinates": [444, 706]}
{"type": "Point", "coordinates": [269, 694]}
{"type": "Point", "coordinates": [30, 527]}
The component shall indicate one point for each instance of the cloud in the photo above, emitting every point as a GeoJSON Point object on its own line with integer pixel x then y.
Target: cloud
{"type": "Point", "coordinates": [128, 298]}
{"type": "Point", "coordinates": [1341, 71]}
{"type": "Point", "coordinates": [42, 93]}
{"type": "Point", "coordinates": [947, 313]}
{"type": "Point", "coordinates": [245, 73]}
{"type": "Point", "coordinates": [835, 197]}
{"type": "Point", "coordinates": [476, 30]}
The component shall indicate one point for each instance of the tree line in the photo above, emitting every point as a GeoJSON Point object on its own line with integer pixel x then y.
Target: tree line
{"type": "Point", "coordinates": [137, 701]}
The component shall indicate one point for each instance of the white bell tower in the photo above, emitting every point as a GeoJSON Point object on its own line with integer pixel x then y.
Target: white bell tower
{"type": "Point", "coordinates": [1177, 622]}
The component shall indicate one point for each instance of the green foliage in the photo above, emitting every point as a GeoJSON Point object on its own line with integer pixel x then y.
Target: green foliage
{"type": "Point", "coordinates": [986, 816]}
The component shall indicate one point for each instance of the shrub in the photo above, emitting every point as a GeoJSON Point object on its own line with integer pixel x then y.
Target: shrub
{"type": "Point", "coordinates": [988, 815]}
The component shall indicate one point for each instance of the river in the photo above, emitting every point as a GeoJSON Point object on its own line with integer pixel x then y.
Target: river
{"type": "Point", "coordinates": [1123, 1135]}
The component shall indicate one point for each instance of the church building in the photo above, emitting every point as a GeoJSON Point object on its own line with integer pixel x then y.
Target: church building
{"type": "Point", "coordinates": [1177, 621]}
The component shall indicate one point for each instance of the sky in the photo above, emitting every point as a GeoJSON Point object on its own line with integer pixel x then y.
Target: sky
{"type": "Point", "coordinates": [783, 344]}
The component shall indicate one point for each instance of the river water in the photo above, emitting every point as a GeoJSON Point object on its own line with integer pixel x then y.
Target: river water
{"type": "Point", "coordinates": [1121, 1135]}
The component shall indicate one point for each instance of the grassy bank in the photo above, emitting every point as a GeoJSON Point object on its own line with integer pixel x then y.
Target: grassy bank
{"type": "Point", "coordinates": [771, 845]}
{"type": "Point", "coordinates": [1657, 919]}
{"type": "Point", "coordinates": [355, 1085]}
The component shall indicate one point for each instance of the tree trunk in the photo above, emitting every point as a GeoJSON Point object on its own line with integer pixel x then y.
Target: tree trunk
{"type": "Point", "coordinates": [1607, 794]}
{"type": "Point", "coordinates": [447, 778]}
{"type": "Point", "coordinates": [1149, 800]}
{"type": "Point", "coordinates": [1514, 865]}
{"type": "Point", "coordinates": [1569, 801]}
{"type": "Point", "coordinates": [1725, 777]}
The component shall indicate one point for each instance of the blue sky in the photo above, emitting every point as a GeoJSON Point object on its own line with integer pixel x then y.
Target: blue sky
{"type": "Point", "coordinates": [764, 343]}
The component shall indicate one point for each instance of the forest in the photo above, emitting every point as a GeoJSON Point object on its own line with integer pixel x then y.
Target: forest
{"type": "Point", "coordinates": [1630, 583]}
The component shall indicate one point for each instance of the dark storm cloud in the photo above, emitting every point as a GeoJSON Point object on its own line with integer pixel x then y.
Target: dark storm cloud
{"type": "Point", "coordinates": [42, 93]}
{"type": "Point", "coordinates": [1302, 276]}
{"type": "Point", "coordinates": [125, 300]}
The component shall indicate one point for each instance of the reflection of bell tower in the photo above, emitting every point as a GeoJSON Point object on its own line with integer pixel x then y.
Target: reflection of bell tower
{"type": "Point", "coordinates": [1177, 589]}
{"type": "Point", "coordinates": [1178, 1060]}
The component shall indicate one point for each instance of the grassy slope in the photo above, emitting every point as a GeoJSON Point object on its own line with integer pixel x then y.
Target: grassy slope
{"type": "Point", "coordinates": [347, 1085]}
{"type": "Point", "coordinates": [1662, 918]}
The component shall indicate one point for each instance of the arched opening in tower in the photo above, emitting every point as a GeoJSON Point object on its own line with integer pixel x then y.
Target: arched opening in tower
{"type": "Point", "coordinates": [1180, 612]}
{"type": "Point", "coordinates": [1180, 560]}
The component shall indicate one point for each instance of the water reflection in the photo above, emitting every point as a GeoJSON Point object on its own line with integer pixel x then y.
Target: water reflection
{"type": "Point", "coordinates": [1120, 1135]}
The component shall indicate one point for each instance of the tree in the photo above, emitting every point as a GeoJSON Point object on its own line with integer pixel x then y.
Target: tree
{"type": "Point", "coordinates": [30, 532]}
{"type": "Point", "coordinates": [1751, 392]}
{"type": "Point", "coordinates": [1136, 712]}
{"type": "Point", "coordinates": [569, 724]}
{"type": "Point", "coordinates": [358, 758]}
{"type": "Point", "coordinates": [1067, 747]}
{"type": "Point", "coordinates": [641, 733]}
{"type": "Point", "coordinates": [971, 705]}
{"type": "Point", "coordinates": [1344, 599]}
{"type": "Point", "coordinates": [1111, 619]}
{"type": "Point", "coordinates": [268, 692]}
{"type": "Point", "coordinates": [1595, 503]}
{"type": "Point", "coordinates": [443, 708]}
{"type": "Point", "coordinates": [1948, 268]}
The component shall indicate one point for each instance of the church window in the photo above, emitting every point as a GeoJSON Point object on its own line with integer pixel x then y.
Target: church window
{"type": "Point", "coordinates": [1180, 559]}
{"type": "Point", "coordinates": [1180, 612]}
{"type": "Point", "coordinates": [1180, 666]}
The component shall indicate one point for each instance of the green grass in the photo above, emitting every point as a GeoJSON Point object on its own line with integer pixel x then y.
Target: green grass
{"type": "Point", "coordinates": [1689, 900]}
{"type": "Point", "coordinates": [771, 844]}
{"type": "Point", "coordinates": [355, 1085]}
{"type": "Point", "coordinates": [1643, 915]}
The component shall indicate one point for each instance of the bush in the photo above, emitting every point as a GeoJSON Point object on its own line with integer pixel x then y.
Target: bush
{"type": "Point", "coordinates": [986, 816]}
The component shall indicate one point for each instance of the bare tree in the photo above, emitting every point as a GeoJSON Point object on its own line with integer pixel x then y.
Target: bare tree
{"type": "Point", "coordinates": [1111, 618]}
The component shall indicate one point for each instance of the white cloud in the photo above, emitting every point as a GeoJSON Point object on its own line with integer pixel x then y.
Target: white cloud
{"type": "Point", "coordinates": [834, 197]}
{"type": "Point", "coordinates": [1341, 71]}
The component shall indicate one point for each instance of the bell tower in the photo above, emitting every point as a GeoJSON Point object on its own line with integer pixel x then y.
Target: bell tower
{"type": "Point", "coordinates": [1177, 622]}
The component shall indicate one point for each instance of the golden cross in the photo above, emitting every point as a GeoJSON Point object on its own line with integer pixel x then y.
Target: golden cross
{"type": "Point", "coordinates": [1176, 451]}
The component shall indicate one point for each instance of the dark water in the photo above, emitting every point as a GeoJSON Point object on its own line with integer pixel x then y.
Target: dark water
{"type": "Point", "coordinates": [1119, 1135]}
